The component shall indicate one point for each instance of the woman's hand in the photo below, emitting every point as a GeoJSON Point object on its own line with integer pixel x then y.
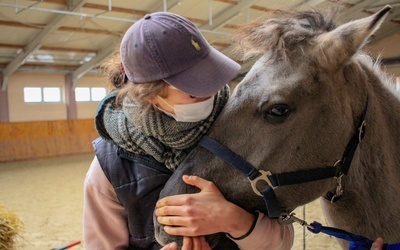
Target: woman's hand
{"type": "Point", "coordinates": [189, 243]}
{"type": "Point", "coordinates": [203, 213]}
{"type": "Point", "coordinates": [377, 245]}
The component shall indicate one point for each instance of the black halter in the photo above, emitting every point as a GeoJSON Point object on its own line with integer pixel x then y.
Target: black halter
{"type": "Point", "coordinates": [275, 180]}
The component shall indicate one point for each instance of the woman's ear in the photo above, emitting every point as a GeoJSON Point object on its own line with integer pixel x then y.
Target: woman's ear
{"type": "Point", "coordinates": [163, 93]}
{"type": "Point", "coordinates": [153, 100]}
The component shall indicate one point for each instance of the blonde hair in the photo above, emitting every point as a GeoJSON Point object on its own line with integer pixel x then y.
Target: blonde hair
{"type": "Point", "coordinates": [140, 93]}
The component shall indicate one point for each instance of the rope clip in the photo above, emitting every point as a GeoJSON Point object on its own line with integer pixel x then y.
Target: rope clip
{"type": "Point", "coordinates": [286, 219]}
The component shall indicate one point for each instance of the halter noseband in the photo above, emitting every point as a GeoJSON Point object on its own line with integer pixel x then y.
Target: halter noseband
{"type": "Point", "coordinates": [276, 180]}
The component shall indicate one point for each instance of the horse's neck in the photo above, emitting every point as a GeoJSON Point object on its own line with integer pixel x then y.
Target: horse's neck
{"type": "Point", "coordinates": [382, 132]}
{"type": "Point", "coordinates": [378, 153]}
{"type": "Point", "coordinates": [368, 201]}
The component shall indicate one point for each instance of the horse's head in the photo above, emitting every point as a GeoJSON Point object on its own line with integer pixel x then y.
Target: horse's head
{"type": "Point", "coordinates": [296, 110]}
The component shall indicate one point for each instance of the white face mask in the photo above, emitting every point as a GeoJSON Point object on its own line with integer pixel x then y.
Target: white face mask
{"type": "Point", "coordinates": [192, 112]}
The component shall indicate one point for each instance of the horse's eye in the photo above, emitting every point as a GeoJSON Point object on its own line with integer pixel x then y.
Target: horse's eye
{"type": "Point", "coordinates": [279, 110]}
{"type": "Point", "coordinates": [306, 25]}
{"type": "Point", "coordinates": [277, 113]}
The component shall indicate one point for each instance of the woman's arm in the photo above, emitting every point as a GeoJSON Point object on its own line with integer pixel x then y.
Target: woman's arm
{"type": "Point", "coordinates": [104, 218]}
{"type": "Point", "coordinates": [208, 212]}
{"type": "Point", "coordinates": [268, 234]}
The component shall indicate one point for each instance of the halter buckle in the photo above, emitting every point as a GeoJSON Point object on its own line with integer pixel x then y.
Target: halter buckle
{"type": "Point", "coordinates": [361, 130]}
{"type": "Point", "coordinates": [262, 177]}
{"type": "Point", "coordinates": [339, 188]}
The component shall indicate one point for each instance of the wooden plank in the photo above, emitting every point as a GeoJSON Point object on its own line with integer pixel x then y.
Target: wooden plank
{"type": "Point", "coordinates": [30, 140]}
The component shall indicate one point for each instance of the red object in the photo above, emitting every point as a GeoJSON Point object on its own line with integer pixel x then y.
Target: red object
{"type": "Point", "coordinates": [74, 243]}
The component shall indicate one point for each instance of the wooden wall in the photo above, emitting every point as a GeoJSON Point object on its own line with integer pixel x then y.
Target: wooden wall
{"type": "Point", "coordinates": [37, 139]}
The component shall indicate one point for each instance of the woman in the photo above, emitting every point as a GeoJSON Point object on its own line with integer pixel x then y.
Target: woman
{"type": "Point", "coordinates": [170, 87]}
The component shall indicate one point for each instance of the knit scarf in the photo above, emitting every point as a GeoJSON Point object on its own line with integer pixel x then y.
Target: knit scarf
{"type": "Point", "coordinates": [152, 132]}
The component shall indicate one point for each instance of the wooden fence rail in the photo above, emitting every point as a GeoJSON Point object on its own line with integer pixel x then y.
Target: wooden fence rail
{"type": "Point", "coordinates": [30, 140]}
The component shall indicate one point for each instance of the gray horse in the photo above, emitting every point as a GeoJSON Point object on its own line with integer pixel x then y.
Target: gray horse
{"type": "Point", "coordinates": [300, 113]}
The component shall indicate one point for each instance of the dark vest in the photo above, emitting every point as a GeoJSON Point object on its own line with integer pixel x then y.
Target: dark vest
{"type": "Point", "coordinates": [137, 181]}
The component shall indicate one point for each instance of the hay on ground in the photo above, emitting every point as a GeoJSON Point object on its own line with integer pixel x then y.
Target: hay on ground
{"type": "Point", "coordinates": [10, 228]}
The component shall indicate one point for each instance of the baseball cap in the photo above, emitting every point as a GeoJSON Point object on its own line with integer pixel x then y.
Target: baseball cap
{"type": "Point", "coordinates": [166, 46]}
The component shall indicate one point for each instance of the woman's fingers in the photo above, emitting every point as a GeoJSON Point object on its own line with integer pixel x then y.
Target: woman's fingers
{"type": "Point", "coordinates": [195, 243]}
{"type": "Point", "coordinates": [175, 200]}
{"type": "Point", "coordinates": [187, 243]}
{"type": "Point", "coordinates": [171, 246]}
{"type": "Point", "coordinates": [201, 183]}
{"type": "Point", "coordinates": [186, 231]}
{"type": "Point", "coordinates": [377, 245]}
{"type": "Point", "coordinates": [173, 220]}
{"type": "Point", "coordinates": [170, 211]}
{"type": "Point", "coordinates": [187, 199]}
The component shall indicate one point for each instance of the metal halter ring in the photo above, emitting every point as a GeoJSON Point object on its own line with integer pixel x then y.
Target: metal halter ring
{"type": "Point", "coordinates": [262, 177]}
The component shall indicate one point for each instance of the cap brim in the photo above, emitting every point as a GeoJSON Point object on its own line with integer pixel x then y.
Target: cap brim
{"type": "Point", "coordinates": [207, 76]}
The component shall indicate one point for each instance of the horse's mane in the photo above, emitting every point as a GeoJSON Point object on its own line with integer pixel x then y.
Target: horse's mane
{"type": "Point", "coordinates": [280, 33]}
{"type": "Point", "coordinates": [375, 67]}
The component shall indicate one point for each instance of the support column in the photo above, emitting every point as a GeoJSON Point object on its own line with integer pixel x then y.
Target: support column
{"type": "Point", "coordinates": [4, 107]}
{"type": "Point", "coordinates": [72, 112]}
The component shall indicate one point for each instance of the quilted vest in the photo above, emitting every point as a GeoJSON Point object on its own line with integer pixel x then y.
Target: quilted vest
{"type": "Point", "coordinates": [138, 181]}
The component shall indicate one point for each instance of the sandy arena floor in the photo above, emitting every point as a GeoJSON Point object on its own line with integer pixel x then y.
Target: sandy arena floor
{"type": "Point", "coordinates": [47, 195]}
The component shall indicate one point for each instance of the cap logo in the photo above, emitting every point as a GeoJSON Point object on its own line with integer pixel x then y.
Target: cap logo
{"type": "Point", "coordinates": [195, 45]}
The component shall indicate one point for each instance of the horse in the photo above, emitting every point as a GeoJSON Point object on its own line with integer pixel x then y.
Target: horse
{"type": "Point", "coordinates": [315, 117]}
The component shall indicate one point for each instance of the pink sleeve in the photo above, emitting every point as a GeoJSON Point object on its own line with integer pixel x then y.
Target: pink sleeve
{"type": "Point", "coordinates": [104, 217]}
{"type": "Point", "coordinates": [268, 234]}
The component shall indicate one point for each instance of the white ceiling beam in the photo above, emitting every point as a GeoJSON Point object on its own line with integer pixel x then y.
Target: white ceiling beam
{"type": "Point", "coordinates": [312, 3]}
{"type": "Point", "coordinates": [390, 28]}
{"type": "Point", "coordinates": [378, 7]}
{"type": "Point", "coordinates": [227, 15]}
{"type": "Point", "coordinates": [161, 7]}
{"type": "Point", "coordinates": [386, 33]}
{"type": "Point", "coordinates": [82, 70]}
{"type": "Point", "coordinates": [347, 15]}
{"type": "Point", "coordinates": [35, 44]}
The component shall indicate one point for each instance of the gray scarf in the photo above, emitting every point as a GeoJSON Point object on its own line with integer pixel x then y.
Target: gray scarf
{"type": "Point", "coordinates": [153, 132]}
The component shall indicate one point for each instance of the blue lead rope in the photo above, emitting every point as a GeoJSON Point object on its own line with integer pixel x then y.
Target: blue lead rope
{"type": "Point", "coordinates": [358, 242]}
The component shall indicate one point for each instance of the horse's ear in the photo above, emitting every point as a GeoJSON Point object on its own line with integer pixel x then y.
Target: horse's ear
{"type": "Point", "coordinates": [337, 46]}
